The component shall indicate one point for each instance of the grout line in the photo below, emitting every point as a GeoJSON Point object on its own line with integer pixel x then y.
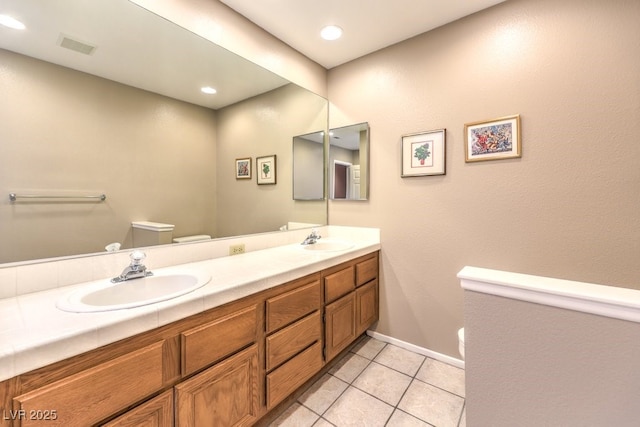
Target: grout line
{"type": "Point", "coordinates": [394, 407]}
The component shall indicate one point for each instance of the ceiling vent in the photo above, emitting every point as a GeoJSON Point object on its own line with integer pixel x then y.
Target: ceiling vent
{"type": "Point", "coordinates": [75, 45]}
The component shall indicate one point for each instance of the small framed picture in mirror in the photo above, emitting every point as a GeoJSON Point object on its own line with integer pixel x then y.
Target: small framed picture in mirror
{"type": "Point", "coordinates": [243, 168]}
{"type": "Point", "coordinates": [266, 169]}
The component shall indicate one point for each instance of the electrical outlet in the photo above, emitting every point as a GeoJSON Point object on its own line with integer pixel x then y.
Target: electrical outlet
{"type": "Point", "coordinates": [236, 249]}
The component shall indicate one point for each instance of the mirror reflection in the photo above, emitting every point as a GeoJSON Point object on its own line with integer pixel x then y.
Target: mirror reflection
{"type": "Point", "coordinates": [349, 162]}
{"type": "Point", "coordinates": [103, 97]}
{"type": "Point", "coordinates": [308, 166]}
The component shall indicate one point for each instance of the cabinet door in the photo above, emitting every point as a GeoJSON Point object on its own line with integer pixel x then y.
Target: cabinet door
{"type": "Point", "coordinates": [224, 395]}
{"type": "Point", "coordinates": [366, 306]}
{"type": "Point", "coordinates": [340, 328]}
{"type": "Point", "coordinates": [157, 412]}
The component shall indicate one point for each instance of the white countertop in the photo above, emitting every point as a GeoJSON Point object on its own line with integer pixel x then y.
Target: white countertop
{"type": "Point", "coordinates": [34, 333]}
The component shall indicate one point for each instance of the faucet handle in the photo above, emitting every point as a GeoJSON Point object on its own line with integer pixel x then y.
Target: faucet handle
{"type": "Point", "coordinates": [137, 257]}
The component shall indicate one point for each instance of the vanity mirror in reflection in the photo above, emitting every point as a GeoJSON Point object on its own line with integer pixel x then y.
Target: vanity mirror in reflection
{"type": "Point", "coordinates": [104, 97]}
{"type": "Point", "coordinates": [308, 166]}
{"type": "Point", "coordinates": [349, 162]}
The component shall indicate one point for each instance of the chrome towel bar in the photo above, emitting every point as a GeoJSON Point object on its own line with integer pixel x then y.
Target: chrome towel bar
{"type": "Point", "coordinates": [14, 197]}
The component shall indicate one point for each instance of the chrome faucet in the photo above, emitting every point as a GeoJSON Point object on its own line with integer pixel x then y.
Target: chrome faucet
{"type": "Point", "coordinates": [311, 238]}
{"type": "Point", "coordinates": [135, 270]}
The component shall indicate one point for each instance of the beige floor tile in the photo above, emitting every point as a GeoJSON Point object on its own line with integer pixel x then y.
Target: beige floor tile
{"type": "Point", "coordinates": [400, 359]}
{"type": "Point", "coordinates": [402, 419]}
{"type": "Point", "coordinates": [382, 382]}
{"type": "Point", "coordinates": [296, 416]}
{"type": "Point", "coordinates": [368, 347]}
{"type": "Point", "coordinates": [322, 423]}
{"type": "Point", "coordinates": [442, 375]}
{"type": "Point", "coordinates": [432, 405]}
{"type": "Point", "coordinates": [349, 367]}
{"type": "Point", "coordinates": [323, 393]}
{"type": "Point", "coordinates": [357, 408]}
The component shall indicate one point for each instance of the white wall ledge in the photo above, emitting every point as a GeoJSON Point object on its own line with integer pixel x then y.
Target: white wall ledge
{"type": "Point", "coordinates": [608, 301]}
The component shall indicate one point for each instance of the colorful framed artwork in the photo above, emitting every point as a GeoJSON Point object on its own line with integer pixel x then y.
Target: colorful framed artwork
{"type": "Point", "coordinates": [493, 139]}
{"type": "Point", "coordinates": [424, 153]}
{"type": "Point", "coordinates": [243, 168]}
{"type": "Point", "coordinates": [266, 169]}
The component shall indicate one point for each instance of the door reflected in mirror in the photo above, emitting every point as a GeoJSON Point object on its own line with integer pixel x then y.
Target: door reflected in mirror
{"type": "Point", "coordinates": [308, 166]}
{"type": "Point", "coordinates": [349, 162]}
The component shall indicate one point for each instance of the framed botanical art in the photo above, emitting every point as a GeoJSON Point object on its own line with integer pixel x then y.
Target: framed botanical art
{"type": "Point", "coordinates": [493, 139]}
{"type": "Point", "coordinates": [266, 169]}
{"type": "Point", "coordinates": [243, 168]}
{"type": "Point", "coordinates": [424, 153]}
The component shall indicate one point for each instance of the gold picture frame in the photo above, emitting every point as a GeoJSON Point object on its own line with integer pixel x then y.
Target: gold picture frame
{"type": "Point", "coordinates": [493, 139]}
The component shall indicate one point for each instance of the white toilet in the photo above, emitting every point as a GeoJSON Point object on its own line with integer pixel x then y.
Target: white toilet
{"type": "Point", "coordinates": [461, 341]}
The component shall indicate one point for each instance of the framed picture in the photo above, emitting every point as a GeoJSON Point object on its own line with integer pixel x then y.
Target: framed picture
{"type": "Point", "coordinates": [266, 169]}
{"type": "Point", "coordinates": [423, 153]}
{"type": "Point", "coordinates": [243, 168]}
{"type": "Point", "coordinates": [492, 139]}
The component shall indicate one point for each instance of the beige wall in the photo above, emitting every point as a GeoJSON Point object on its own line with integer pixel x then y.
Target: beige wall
{"type": "Point", "coordinates": [263, 126]}
{"type": "Point", "coordinates": [535, 365]}
{"type": "Point", "coordinates": [69, 132]}
{"type": "Point", "coordinates": [568, 208]}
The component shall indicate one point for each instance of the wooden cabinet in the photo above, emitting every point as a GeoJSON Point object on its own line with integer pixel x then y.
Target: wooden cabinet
{"type": "Point", "coordinates": [227, 394]}
{"type": "Point", "coordinates": [156, 412]}
{"type": "Point", "coordinates": [227, 366]}
{"type": "Point", "coordinates": [356, 285]}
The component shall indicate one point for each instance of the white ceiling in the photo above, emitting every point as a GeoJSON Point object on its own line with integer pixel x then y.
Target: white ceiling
{"type": "Point", "coordinates": [134, 47]}
{"type": "Point", "coordinates": [368, 25]}
{"type": "Point", "coordinates": [140, 49]}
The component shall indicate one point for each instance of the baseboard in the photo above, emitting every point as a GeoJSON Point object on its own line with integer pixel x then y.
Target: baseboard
{"type": "Point", "coordinates": [420, 350]}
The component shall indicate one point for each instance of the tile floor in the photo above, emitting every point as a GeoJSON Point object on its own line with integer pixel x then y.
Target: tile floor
{"type": "Point", "coordinates": [379, 384]}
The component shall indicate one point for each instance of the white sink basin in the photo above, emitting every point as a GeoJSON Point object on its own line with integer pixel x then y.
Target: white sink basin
{"type": "Point", "coordinates": [328, 245]}
{"type": "Point", "coordinates": [106, 296]}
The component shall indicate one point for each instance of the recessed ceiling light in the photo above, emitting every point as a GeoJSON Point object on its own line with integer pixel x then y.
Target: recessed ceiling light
{"type": "Point", "coordinates": [208, 90]}
{"type": "Point", "coordinates": [10, 22]}
{"type": "Point", "coordinates": [331, 32]}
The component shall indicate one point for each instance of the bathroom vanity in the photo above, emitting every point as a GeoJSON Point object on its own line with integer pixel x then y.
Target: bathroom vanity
{"type": "Point", "coordinates": [228, 365]}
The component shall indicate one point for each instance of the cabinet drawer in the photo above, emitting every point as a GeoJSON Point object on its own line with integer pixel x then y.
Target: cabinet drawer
{"type": "Point", "coordinates": [92, 395]}
{"type": "Point", "coordinates": [208, 343]}
{"type": "Point", "coordinates": [288, 377]}
{"type": "Point", "coordinates": [291, 306]}
{"type": "Point", "coordinates": [289, 341]}
{"type": "Point", "coordinates": [366, 270]}
{"type": "Point", "coordinates": [339, 284]}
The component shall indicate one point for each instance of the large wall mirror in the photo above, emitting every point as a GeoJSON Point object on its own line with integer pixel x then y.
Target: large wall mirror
{"type": "Point", "coordinates": [104, 97]}
{"type": "Point", "coordinates": [349, 162]}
